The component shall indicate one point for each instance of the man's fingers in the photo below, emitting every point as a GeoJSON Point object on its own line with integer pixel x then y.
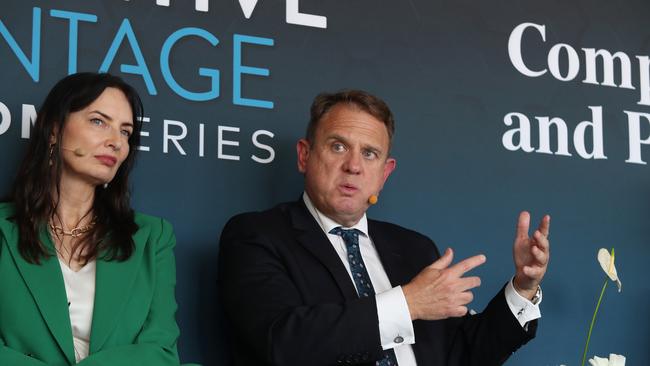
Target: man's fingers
{"type": "Point", "coordinates": [460, 300]}
{"type": "Point", "coordinates": [533, 272]}
{"type": "Point", "coordinates": [545, 225]}
{"type": "Point", "coordinates": [523, 223]}
{"type": "Point", "coordinates": [540, 255]}
{"type": "Point", "coordinates": [465, 297]}
{"type": "Point", "coordinates": [468, 283]}
{"type": "Point", "coordinates": [540, 248]}
{"type": "Point", "coordinates": [458, 311]}
{"type": "Point", "coordinates": [467, 265]}
{"type": "Point", "coordinates": [541, 240]}
{"type": "Point", "coordinates": [444, 261]}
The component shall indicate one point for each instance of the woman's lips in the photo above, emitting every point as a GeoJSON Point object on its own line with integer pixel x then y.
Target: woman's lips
{"type": "Point", "coordinates": [107, 160]}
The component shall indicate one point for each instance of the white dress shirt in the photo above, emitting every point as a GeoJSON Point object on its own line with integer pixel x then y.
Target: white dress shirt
{"type": "Point", "coordinates": [395, 325]}
{"type": "Point", "coordinates": [80, 290]}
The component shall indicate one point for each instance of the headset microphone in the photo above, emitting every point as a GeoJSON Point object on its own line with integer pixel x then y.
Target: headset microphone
{"type": "Point", "coordinates": [372, 199]}
{"type": "Point", "coordinates": [77, 152]}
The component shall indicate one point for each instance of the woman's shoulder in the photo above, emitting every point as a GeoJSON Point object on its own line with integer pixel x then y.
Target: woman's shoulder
{"type": "Point", "coordinates": [7, 226]}
{"type": "Point", "coordinates": [6, 210]}
{"type": "Point", "coordinates": [154, 229]}
{"type": "Point", "coordinates": [146, 219]}
{"type": "Point", "coordinates": [154, 223]}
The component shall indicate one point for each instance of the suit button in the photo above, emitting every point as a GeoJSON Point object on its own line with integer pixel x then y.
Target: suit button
{"type": "Point", "coordinates": [398, 339]}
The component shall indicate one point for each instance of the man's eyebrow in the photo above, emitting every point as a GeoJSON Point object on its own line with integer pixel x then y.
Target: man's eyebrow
{"type": "Point", "coordinates": [336, 137]}
{"type": "Point", "coordinates": [373, 149]}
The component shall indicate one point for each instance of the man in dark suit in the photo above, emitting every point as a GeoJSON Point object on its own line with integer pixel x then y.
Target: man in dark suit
{"type": "Point", "coordinates": [314, 282]}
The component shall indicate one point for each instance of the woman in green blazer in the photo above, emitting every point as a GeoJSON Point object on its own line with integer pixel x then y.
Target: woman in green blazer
{"type": "Point", "coordinates": [83, 279]}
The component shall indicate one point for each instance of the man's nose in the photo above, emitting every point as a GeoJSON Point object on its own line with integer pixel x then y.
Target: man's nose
{"type": "Point", "coordinates": [353, 163]}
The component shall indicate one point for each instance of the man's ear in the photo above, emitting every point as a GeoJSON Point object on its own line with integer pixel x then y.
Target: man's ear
{"type": "Point", "coordinates": [389, 167]}
{"type": "Point", "coordinates": [302, 149]}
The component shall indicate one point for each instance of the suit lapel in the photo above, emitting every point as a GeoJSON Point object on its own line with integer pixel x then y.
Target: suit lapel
{"type": "Point", "coordinates": [390, 253]}
{"type": "Point", "coordinates": [312, 237]}
{"type": "Point", "coordinates": [113, 286]}
{"type": "Point", "coordinates": [45, 282]}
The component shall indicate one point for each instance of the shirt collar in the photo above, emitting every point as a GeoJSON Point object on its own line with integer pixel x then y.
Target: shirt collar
{"type": "Point", "coordinates": [327, 224]}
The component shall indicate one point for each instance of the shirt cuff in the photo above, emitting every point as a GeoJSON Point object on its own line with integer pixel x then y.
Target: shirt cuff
{"type": "Point", "coordinates": [395, 325]}
{"type": "Point", "coordinates": [522, 308]}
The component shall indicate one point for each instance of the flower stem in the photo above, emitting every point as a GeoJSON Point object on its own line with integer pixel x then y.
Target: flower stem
{"type": "Point", "coordinates": [593, 320]}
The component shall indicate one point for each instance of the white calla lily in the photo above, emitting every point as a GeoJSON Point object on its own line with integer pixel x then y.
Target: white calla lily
{"type": "Point", "coordinates": [606, 261]}
{"type": "Point", "coordinates": [613, 360]}
{"type": "Point", "coordinates": [598, 361]}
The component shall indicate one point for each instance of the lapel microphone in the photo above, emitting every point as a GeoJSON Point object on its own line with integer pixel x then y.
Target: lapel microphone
{"type": "Point", "coordinates": [77, 152]}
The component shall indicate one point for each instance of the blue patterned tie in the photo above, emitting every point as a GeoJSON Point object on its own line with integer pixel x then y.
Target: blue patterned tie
{"type": "Point", "coordinates": [361, 278]}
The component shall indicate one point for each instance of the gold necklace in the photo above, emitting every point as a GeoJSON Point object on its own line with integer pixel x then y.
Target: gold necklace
{"type": "Point", "coordinates": [75, 233]}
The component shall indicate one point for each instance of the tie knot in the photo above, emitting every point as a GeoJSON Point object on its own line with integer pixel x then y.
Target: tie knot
{"type": "Point", "coordinates": [345, 232]}
{"type": "Point", "coordinates": [350, 236]}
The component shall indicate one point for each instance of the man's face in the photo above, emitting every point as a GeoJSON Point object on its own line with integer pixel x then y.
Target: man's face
{"type": "Point", "coordinates": [346, 163]}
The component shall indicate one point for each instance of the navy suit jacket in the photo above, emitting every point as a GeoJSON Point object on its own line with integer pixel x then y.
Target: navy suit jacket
{"type": "Point", "coordinates": [290, 301]}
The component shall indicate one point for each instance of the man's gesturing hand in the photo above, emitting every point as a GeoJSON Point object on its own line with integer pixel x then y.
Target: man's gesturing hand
{"type": "Point", "coordinates": [440, 291]}
{"type": "Point", "coordinates": [531, 255]}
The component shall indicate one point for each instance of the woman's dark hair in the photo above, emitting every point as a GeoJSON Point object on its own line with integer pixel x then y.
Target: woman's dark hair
{"type": "Point", "coordinates": [36, 188]}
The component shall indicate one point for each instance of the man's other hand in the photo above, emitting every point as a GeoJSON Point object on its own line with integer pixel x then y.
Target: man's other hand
{"type": "Point", "coordinates": [440, 291]}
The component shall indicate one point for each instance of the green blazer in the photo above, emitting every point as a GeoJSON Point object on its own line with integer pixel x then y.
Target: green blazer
{"type": "Point", "coordinates": [134, 312]}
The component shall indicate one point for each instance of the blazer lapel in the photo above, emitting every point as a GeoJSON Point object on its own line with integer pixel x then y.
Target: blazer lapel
{"type": "Point", "coordinates": [312, 237]}
{"type": "Point", "coordinates": [113, 285]}
{"type": "Point", "coordinates": [390, 253]}
{"type": "Point", "coordinates": [45, 282]}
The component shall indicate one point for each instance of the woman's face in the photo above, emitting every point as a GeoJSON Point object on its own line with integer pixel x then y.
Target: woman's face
{"type": "Point", "coordinates": [95, 140]}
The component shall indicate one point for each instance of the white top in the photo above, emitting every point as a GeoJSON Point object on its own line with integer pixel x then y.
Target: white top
{"type": "Point", "coordinates": [80, 290]}
{"type": "Point", "coordinates": [395, 325]}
